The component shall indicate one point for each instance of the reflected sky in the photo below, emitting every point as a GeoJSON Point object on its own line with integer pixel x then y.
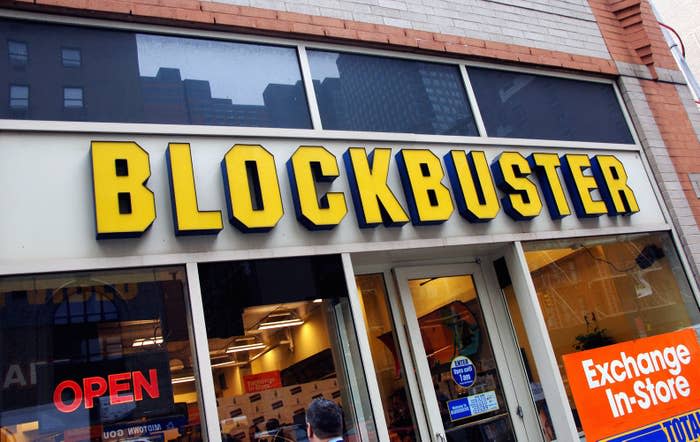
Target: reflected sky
{"type": "Point", "coordinates": [236, 71]}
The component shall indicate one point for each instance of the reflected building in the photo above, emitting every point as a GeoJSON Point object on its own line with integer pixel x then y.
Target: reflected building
{"type": "Point", "coordinates": [370, 95]}
{"type": "Point", "coordinates": [60, 73]}
{"type": "Point", "coordinates": [169, 99]}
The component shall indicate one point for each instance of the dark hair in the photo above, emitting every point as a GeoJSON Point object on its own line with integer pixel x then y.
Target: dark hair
{"type": "Point", "coordinates": [325, 418]}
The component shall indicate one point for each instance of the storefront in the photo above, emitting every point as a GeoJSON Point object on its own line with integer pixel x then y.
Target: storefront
{"type": "Point", "coordinates": [203, 231]}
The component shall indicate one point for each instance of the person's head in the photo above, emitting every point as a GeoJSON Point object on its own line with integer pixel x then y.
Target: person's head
{"type": "Point", "coordinates": [324, 420]}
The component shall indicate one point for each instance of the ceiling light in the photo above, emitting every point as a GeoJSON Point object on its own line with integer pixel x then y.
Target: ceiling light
{"type": "Point", "coordinates": [245, 347]}
{"type": "Point", "coordinates": [317, 300]}
{"type": "Point", "coordinates": [279, 324]}
{"type": "Point", "coordinates": [143, 342]}
{"type": "Point", "coordinates": [183, 380]}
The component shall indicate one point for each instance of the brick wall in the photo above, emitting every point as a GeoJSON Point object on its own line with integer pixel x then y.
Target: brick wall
{"type": "Point", "coordinates": [258, 20]}
{"type": "Point", "coordinates": [562, 25]}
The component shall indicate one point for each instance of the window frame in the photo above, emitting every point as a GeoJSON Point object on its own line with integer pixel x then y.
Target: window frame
{"type": "Point", "coordinates": [10, 98]}
{"type": "Point", "coordinates": [316, 132]}
{"type": "Point", "coordinates": [73, 100]}
{"type": "Point", "coordinates": [12, 57]}
{"type": "Point", "coordinates": [79, 63]}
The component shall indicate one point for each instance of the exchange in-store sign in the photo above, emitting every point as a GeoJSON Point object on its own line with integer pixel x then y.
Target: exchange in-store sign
{"type": "Point", "coordinates": [651, 383]}
{"type": "Point", "coordinates": [463, 371]}
{"type": "Point", "coordinates": [125, 206]}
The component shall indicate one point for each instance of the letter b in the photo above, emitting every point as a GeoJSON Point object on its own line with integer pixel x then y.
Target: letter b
{"type": "Point", "coordinates": [124, 206]}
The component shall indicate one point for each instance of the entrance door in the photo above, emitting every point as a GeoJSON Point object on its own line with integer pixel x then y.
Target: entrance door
{"type": "Point", "coordinates": [451, 328]}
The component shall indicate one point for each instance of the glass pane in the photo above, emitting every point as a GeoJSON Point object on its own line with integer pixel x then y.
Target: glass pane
{"type": "Point", "coordinates": [18, 53]}
{"type": "Point", "coordinates": [386, 355]}
{"type": "Point", "coordinates": [281, 334]}
{"type": "Point", "coordinates": [97, 356]}
{"type": "Point", "coordinates": [597, 292]}
{"type": "Point", "coordinates": [517, 105]}
{"type": "Point", "coordinates": [461, 360]}
{"type": "Point", "coordinates": [70, 57]}
{"type": "Point", "coordinates": [159, 79]}
{"type": "Point", "coordinates": [528, 359]}
{"type": "Point", "coordinates": [368, 93]}
{"type": "Point", "coordinates": [19, 97]}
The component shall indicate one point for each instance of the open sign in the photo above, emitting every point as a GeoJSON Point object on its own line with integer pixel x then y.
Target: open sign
{"type": "Point", "coordinates": [121, 388]}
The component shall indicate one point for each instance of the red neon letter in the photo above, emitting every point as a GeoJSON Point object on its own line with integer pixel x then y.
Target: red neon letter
{"type": "Point", "coordinates": [90, 392]}
{"type": "Point", "coordinates": [116, 386]}
{"type": "Point", "coordinates": [58, 393]}
{"type": "Point", "coordinates": [141, 384]}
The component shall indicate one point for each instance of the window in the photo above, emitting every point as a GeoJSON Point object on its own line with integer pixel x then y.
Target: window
{"type": "Point", "coordinates": [280, 335]}
{"type": "Point", "coordinates": [70, 58]}
{"type": "Point", "coordinates": [391, 377]}
{"type": "Point", "coordinates": [18, 53]}
{"type": "Point", "coordinates": [379, 94]}
{"type": "Point", "coordinates": [72, 97]}
{"type": "Point", "coordinates": [122, 334]}
{"type": "Point", "coordinates": [19, 97]}
{"type": "Point", "coordinates": [518, 105]}
{"type": "Point", "coordinates": [602, 291]}
{"type": "Point", "coordinates": [150, 78]}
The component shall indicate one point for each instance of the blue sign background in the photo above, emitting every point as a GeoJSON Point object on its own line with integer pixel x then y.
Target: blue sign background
{"type": "Point", "coordinates": [463, 371]}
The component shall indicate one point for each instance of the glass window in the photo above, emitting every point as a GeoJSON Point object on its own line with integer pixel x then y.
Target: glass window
{"type": "Point", "coordinates": [18, 53]}
{"type": "Point", "coordinates": [72, 97]}
{"type": "Point", "coordinates": [70, 58]}
{"type": "Point", "coordinates": [97, 356]}
{"type": "Point", "coordinates": [281, 334]}
{"type": "Point", "coordinates": [386, 355]}
{"type": "Point", "coordinates": [518, 105]}
{"type": "Point", "coordinates": [531, 371]}
{"type": "Point", "coordinates": [19, 97]}
{"type": "Point", "coordinates": [163, 79]}
{"type": "Point", "coordinates": [597, 292]}
{"type": "Point", "coordinates": [379, 94]}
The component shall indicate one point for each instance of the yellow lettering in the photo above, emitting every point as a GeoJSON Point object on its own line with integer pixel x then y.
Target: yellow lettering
{"type": "Point", "coordinates": [545, 166]}
{"type": "Point", "coordinates": [611, 177]}
{"type": "Point", "coordinates": [580, 186]}
{"type": "Point", "coordinates": [252, 189]}
{"type": "Point", "coordinates": [124, 206]}
{"type": "Point", "coordinates": [187, 217]}
{"type": "Point", "coordinates": [473, 187]}
{"type": "Point", "coordinates": [375, 203]}
{"type": "Point", "coordinates": [522, 202]}
{"type": "Point", "coordinates": [429, 201]}
{"type": "Point", "coordinates": [309, 165]}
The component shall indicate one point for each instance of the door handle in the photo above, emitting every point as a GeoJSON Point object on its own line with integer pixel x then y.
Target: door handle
{"type": "Point", "coordinates": [440, 437]}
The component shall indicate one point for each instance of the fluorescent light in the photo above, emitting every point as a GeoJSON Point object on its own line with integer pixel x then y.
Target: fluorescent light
{"type": "Point", "coordinates": [143, 342]}
{"type": "Point", "coordinates": [183, 380]}
{"type": "Point", "coordinates": [317, 300]}
{"type": "Point", "coordinates": [245, 347]}
{"type": "Point", "coordinates": [279, 324]}
{"type": "Point", "coordinates": [228, 364]}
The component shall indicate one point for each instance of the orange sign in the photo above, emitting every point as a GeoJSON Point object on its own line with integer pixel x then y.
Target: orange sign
{"type": "Point", "coordinates": [626, 386]}
{"type": "Point", "coordinates": [262, 381]}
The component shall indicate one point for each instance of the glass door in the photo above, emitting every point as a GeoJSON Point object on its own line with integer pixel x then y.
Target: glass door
{"type": "Point", "coordinates": [450, 322]}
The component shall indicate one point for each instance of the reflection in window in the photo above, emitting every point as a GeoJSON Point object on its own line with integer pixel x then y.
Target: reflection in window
{"type": "Point", "coordinates": [599, 292]}
{"type": "Point", "coordinates": [19, 97]}
{"type": "Point", "coordinates": [162, 79]}
{"type": "Point", "coordinates": [18, 53]}
{"type": "Point", "coordinates": [281, 334]}
{"type": "Point", "coordinates": [368, 93]}
{"type": "Point", "coordinates": [70, 58]}
{"type": "Point", "coordinates": [517, 105]}
{"type": "Point", "coordinates": [122, 333]}
{"type": "Point", "coordinates": [72, 97]}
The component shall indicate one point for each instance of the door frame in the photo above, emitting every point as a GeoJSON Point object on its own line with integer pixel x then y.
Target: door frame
{"type": "Point", "coordinates": [514, 381]}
